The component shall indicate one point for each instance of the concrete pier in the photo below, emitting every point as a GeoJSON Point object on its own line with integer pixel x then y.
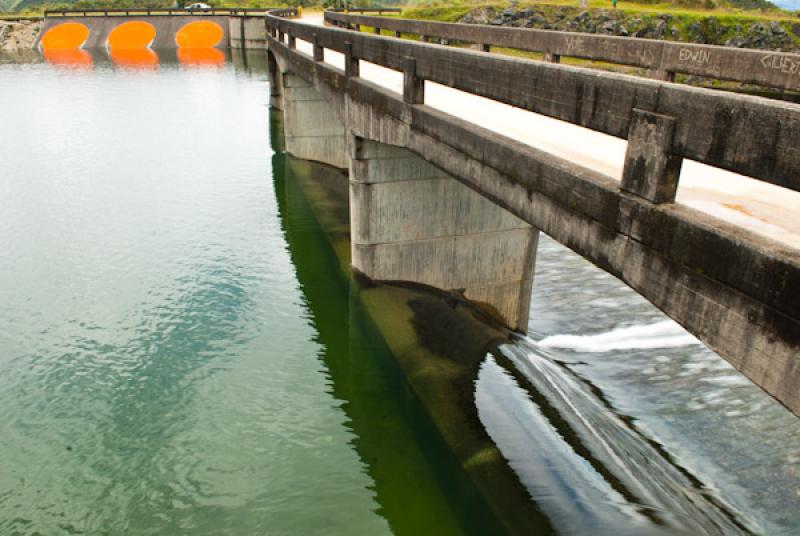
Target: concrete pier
{"type": "Point", "coordinates": [313, 130]}
{"type": "Point", "coordinates": [410, 221]}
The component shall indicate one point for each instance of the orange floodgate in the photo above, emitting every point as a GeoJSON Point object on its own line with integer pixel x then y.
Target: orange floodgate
{"type": "Point", "coordinates": [66, 36]}
{"type": "Point", "coordinates": [131, 35]}
{"type": "Point", "coordinates": [199, 34]}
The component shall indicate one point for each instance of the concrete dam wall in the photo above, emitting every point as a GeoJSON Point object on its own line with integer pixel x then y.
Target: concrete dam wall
{"type": "Point", "coordinates": [152, 31]}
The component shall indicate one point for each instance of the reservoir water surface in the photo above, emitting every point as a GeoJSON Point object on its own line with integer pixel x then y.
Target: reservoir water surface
{"type": "Point", "coordinates": [183, 349]}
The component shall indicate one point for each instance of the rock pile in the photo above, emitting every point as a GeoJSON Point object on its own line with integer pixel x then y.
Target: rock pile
{"type": "Point", "coordinates": [16, 35]}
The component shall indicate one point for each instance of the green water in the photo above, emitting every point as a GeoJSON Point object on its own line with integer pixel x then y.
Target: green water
{"type": "Point", "coordinates": [180, 352]}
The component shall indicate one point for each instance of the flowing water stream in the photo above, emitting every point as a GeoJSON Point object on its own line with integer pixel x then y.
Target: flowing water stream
{"type": "Point", "coordinates": [184, 351]}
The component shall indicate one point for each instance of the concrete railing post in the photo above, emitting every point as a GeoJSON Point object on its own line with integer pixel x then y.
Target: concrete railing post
{"type": "Point", "coordinates": [319, 51]}
{"type": "Point", "coordinates": [486, 47]}
{"type": "Point", "coordinates": [666, 76]}
{"type": "Point", "coordinates": [398, 34]}
{"type": "Point", "coordinates": [376, 30]}
{"type": "Point", "coordinates": [413, 86]}
{"type": "Point", "coordinates": [351, 67]}
{"type": "Point", "coordinates": [551, 57]}
{"type": "Point", "coordinates": [292, 41]}
{"type": "Point", "coordinates": [651, 171]}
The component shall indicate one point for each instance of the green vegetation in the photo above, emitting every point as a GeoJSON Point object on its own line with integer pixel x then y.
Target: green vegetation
{"type": "Point", "coordinates": [452, 11]}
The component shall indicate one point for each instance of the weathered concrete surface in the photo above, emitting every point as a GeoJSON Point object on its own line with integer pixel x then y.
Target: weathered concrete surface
{"type": "Point", "coordinates": [412, 222]}
{"type": "Point", "coordinates": [734, 290]}
{"type": "Point", "coordinates": [251, 27]}
{"type": "Point", "coordinates": [663, 58]}
{"type": "Point", "coordinates": [166, 28]}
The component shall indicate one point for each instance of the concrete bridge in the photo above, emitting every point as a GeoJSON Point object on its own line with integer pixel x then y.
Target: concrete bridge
{"type": "Point", "coordinates": [440, 201]}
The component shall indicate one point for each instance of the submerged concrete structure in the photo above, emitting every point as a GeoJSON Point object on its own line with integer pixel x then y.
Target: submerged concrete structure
{"type": "Point", "coordinates": [440, 201]}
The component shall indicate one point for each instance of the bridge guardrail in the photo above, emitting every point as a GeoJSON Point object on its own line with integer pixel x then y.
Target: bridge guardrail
{"type": "Point", "coordinates": [749, 135]}
{"type": "Point", "coordinates": [377, 9]}
{"type": "Point", "coordinates": [663, 58]}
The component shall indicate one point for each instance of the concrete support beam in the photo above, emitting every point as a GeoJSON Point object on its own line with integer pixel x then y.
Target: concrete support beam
{"type": "Point", "coordinates": [313, 130]}
{"type": "Point", "coordinates": [651, 170]}
{"type": "Point", "coordinates": [410, 221]}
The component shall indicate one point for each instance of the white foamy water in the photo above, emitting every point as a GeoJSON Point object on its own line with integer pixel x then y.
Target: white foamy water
{"type": "Point", "coordinates": [664, 334]}
{"type": "Point", "coordinates": [596, 349]}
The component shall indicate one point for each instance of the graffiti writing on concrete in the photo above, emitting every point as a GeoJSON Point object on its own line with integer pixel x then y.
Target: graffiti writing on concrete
{"type": "Point", "coordinates": [694, 56]}
{"type": "Point", "coordinates": [783, 64]}
{"type": "Point", "coordinates": [574, 43]}
{"type": "Point", "coordinates": [609, 49]}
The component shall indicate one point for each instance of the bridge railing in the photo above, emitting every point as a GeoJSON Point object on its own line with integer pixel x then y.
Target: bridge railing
{"type": "Point", "coordinates": [752, 136]}
{"type": "Point", "coordinates": [663, 58]}
{"type": "Point", "coordinates": [377, 9]}
{"type": "Point", "coordinates": [132, 12]}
